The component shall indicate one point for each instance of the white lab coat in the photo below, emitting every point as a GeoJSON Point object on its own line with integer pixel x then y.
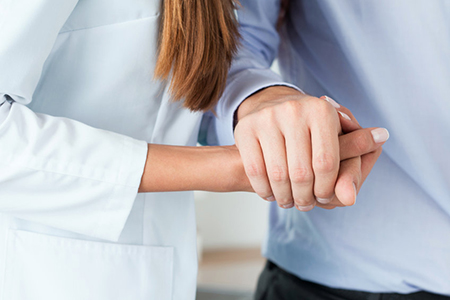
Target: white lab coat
{"type": "Point", "coordinates": [72, 225]}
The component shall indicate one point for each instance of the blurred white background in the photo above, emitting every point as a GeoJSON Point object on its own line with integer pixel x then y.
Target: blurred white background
{"type": "Point", "coordinates": [230, 220]}
{"type": "Point", "coordinates": [231, 229]}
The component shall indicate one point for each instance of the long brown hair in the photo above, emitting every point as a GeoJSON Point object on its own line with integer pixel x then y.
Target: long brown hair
{"type": "Point", "coordinates": [198, 40]}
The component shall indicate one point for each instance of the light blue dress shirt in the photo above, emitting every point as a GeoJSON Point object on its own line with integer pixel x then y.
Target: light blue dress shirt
{"type": "Point", "coordinates": [389, 63]}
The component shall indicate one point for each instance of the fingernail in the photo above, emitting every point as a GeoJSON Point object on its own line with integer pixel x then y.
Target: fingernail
{"type": "Point", "coordinates": [380, 135]}
{"type": "Point", "coordinates": [270, 199]}
{"type": "Point", "coordinates": [356, 192]}
{"type": "Point", "coordinates": [288, 205]}
{"type": "Point", "coordinates": [305, 208]}
{"type": "Point", "coordinates": [332, 102]}
{"type": "Point", "coordinates": [344, 115]}
{"type": "Point", "coordinates": [324, 200]}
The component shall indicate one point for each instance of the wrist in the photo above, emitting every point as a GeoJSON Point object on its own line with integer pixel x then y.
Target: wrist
{"type": "Point", "coordinates": [264, 96]}
{"type": "Point", "coordinates": [237, 180]}
{"type": "Point", "coordinates": [225, 170]}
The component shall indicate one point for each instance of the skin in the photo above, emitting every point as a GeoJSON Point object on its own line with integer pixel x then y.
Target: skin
{"type": "Point", "coordinates": [290, 147]}
{"type": "Point", "coordinates": [221, 169]}
{"type": "Point", "coordinates": [180, 168]}
{"type": "Point", "coordinates": [354, 166]}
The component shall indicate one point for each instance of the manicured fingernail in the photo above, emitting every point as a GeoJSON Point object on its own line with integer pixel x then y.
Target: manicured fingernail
{"type": "Point", "coordinates": [288, 205]}
{"type": "Point", "coordinates": [270, 199]}
{"type": "Point", "coordinates": [380, 135]}
{"type": "Point", "coordinates": [344, 115]}
{"type": "Point", "coordinates": [305, 208]}
{"type": "Point", "coordinates": [332, 102]}
{"type": "Point", "coordinates": [356, 192]}
{"type": "Point", "coordinates": [324, 200]}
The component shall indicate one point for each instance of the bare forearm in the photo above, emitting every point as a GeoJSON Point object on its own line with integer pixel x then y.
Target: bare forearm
{"type": "Point", "coordinates": [179, 168]}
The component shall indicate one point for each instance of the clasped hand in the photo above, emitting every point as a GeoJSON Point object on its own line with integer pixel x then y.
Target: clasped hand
{"type": "Point", "coordinates": [295, 153]}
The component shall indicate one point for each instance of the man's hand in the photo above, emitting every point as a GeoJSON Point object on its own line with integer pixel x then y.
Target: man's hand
{"type": "Point", "coordinates": [289, 144]}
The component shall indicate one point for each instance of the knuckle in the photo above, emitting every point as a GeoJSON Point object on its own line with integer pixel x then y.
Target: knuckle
{"type": "Point", "coordinates": [243, 123]}
{"type": "Point", "coordinates": [301, 175]}
{"type": "Point", "coordinates": [278, 174]}
{"type": "Point", "coordinates": [291, 106]}
{"type": "Point", "coordinates": [254, 171]}
{"type": "Point", "coordinates": [323, 113]}
{"type": "Point", "coordinates": [324, 108]}
{"type": "Point", "coordinates": [325, 163]}
{"type": "Point", "coordinates": [244, 129]}
{"type": "Point", "coordinates": [290, 110]}
{"type": "Point", "coordinates": [267, 115]}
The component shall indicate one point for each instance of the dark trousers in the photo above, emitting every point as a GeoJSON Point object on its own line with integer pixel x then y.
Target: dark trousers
{"type": "Point", "coordinates": [277, 284]}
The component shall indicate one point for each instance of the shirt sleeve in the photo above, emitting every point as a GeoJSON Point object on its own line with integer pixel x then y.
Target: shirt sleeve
{"type": "Point", "coordinates": [250, 70]}
{"type": "Point", "coordinates": [56, 171]}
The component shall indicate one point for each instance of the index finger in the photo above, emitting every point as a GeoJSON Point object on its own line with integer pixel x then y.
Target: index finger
{"type": "Point", "coordinates": [361, 141]}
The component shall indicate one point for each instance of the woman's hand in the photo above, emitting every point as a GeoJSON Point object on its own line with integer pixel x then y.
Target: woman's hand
{"type": "Point", "coordinates": [290, 147]}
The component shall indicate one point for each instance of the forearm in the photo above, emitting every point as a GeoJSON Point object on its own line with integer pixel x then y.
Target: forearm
{"type": "Point", "coordinates": [180, 168]}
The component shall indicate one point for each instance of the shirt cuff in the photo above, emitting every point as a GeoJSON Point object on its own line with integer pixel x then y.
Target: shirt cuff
{"type": "Point", "coordinates": [239, 88]}
{"type": "Point", "coordinates": [118, 208]}
{"type": "Point", "coordinates": [4, 110]}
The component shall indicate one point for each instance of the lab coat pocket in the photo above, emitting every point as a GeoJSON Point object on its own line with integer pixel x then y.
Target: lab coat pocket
{"type": "Point", "coordinates": [53, 268]}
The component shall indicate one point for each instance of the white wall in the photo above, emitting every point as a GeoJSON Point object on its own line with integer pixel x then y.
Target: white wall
{"type": "Point", "coordinates": [231, 220]}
